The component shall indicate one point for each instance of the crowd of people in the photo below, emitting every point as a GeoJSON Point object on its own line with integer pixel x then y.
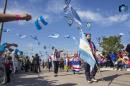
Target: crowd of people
{"type": "Point", "coordinates": [119, 60]}
{"type": "Point", "coordinates": [87, 58]}
{"type": "Point", "coordinates": [66, 62]}
{"type": "Point", "coordinates": [7, 63]}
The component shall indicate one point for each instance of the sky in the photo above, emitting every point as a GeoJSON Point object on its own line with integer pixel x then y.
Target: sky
{"type": "Point", "coordinates": [104, 15]}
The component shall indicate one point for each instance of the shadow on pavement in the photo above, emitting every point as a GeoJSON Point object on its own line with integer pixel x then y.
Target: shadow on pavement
{"type": "Point", "coordinates": [67, 84]}
{"type": "Point", "coordinates": [32, 80]}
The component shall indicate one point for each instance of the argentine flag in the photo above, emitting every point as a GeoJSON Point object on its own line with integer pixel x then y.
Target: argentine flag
{"type": "Point", "coordinates": [86, 53]}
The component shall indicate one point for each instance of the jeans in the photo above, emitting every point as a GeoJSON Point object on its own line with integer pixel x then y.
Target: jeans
{"type": "Point", "coordinates": [90, 74]}
{"type": "Point", "coordinates": [56, 65]}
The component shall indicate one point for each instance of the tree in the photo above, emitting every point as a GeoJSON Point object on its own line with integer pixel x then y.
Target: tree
{"type": "Point", "coordinates": [111, 44]}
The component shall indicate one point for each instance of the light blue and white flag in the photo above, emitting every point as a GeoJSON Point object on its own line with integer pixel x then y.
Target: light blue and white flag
{"type": "Point", "coordinates": [40, 22]}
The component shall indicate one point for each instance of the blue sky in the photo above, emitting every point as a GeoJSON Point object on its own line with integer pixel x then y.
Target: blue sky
{"type": "Point", "coordinates": [104, 16]}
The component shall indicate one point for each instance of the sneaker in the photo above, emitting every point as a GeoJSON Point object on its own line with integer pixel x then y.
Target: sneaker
{"type": "Point", "coordinates": [89, 81]}
{"type": "Point", "coordinates": [94, 80]}
{"type": "Point", "coordinates": [55, 75]}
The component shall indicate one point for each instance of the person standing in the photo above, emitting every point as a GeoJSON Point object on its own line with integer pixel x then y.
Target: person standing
{"type": "Point", "coordinates": [37, 65]}
{"type": "Point", "coordinates": [49, 63]}
{"type": "Point", "coordinates": [8, 67]}
{"type": "Point", "coordinates": [27, 64]}
{"type": "Point", "coordinates": [88, 53]}
{"type": "Point", "coordinates": [56, 61]}
{"type": "Point", "coordinates": [67, 63]}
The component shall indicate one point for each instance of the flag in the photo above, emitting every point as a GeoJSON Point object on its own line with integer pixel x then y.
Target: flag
{"type": "Point", "coordinates": [40, 22]}
{"type": "Point", "coordinates": [76, 16]}
{"type": "Point", "coordinates": [75, 62]}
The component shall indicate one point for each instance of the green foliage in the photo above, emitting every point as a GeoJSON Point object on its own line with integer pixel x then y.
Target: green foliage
{"type": "Point", "coordinates": [111, 44]}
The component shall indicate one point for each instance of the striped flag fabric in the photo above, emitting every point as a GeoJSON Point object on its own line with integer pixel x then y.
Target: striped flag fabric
{"type": "Point", "coordinates": [75, 62]}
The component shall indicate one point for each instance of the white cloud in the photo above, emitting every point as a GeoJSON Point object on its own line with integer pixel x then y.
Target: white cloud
{"type": "Point", "coordinates": [118, 18]}
{"type": "Point", "coordinates": [54, 6]}
{"type": "Point", "coordinates": [101, 19]}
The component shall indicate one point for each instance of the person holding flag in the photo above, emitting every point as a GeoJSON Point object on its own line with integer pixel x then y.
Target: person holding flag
{"type": "Point", "coordinates": [87, 51]}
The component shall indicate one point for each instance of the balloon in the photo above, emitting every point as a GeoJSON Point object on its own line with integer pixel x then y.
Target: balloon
{"type": "Point", "coordinates": [53, 47]}
{"type": "Point", "coordinates": [10, 45]}
{"type": "Point", "coordinates": [39, 43]}
{"type": "Point", "coordinates": [71, 15]}
{"type": "Point", "coordinates": [76, 16]}
{"type": "Point", "coordinates": [44, 47]}
{"type": "Point", "coordinates": [7, 45]}
{"type": "Point", "coordinates": [21, 52]}
{"type": "Point", "coordinates": [67, 36]}
{"type": "Point", "coordinates": [88, 25]}
{"type": "Point", "coordinates": [74, 38]}
{"type": "Point", "coordinates": [39, 22]}
{"type": "Point", "coordinates": [34, 37]}
{"type": "Point", "coordinates": [123, 8]}
{"type": "Point", "coordinates": [16, 51]}
{"type": "Point", "coordinates": [11, 50]}
{"type": "Point", "coordinates": [2, 48]}
{"type": "Point", "coordinates": [121, 34]}
{"type": "Point", "coordinates": [67, 9]}
{"type": "Point", "coordinates": [67, 2]}
{"type": "Point", "coordinates": [54, 35]}
{"type": "Point", "coordinates": [70, 20]}
{"type": "Point", "coordinates": [21, 36]}
{"type": "Point", "coordinates": [6, 30]}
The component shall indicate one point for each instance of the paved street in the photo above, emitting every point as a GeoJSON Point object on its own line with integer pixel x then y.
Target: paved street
{"type": "Point", "coordinates": [111, 78]}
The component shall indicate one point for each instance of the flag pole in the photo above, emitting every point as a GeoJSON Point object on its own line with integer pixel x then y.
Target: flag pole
{"type": "Point", "coordinates": [2, 24]}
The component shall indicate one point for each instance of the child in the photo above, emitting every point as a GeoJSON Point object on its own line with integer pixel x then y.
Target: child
{"type": "Point", "coordinates": [75, 63]}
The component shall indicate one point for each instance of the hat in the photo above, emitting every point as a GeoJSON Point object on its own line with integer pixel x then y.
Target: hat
{"type": "Point", "coordinates": [87, 34]}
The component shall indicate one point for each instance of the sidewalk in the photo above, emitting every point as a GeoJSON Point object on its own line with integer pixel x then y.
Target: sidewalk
{"type": "Point", "coordinates": [112, 78]}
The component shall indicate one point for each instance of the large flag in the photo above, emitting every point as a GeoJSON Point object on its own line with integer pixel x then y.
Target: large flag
{"type": "Point", "coordinates": [86, 53]}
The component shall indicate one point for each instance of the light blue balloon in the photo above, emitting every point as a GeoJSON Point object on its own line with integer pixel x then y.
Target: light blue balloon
{"type": "Point", "coordinates": [2, 47]}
